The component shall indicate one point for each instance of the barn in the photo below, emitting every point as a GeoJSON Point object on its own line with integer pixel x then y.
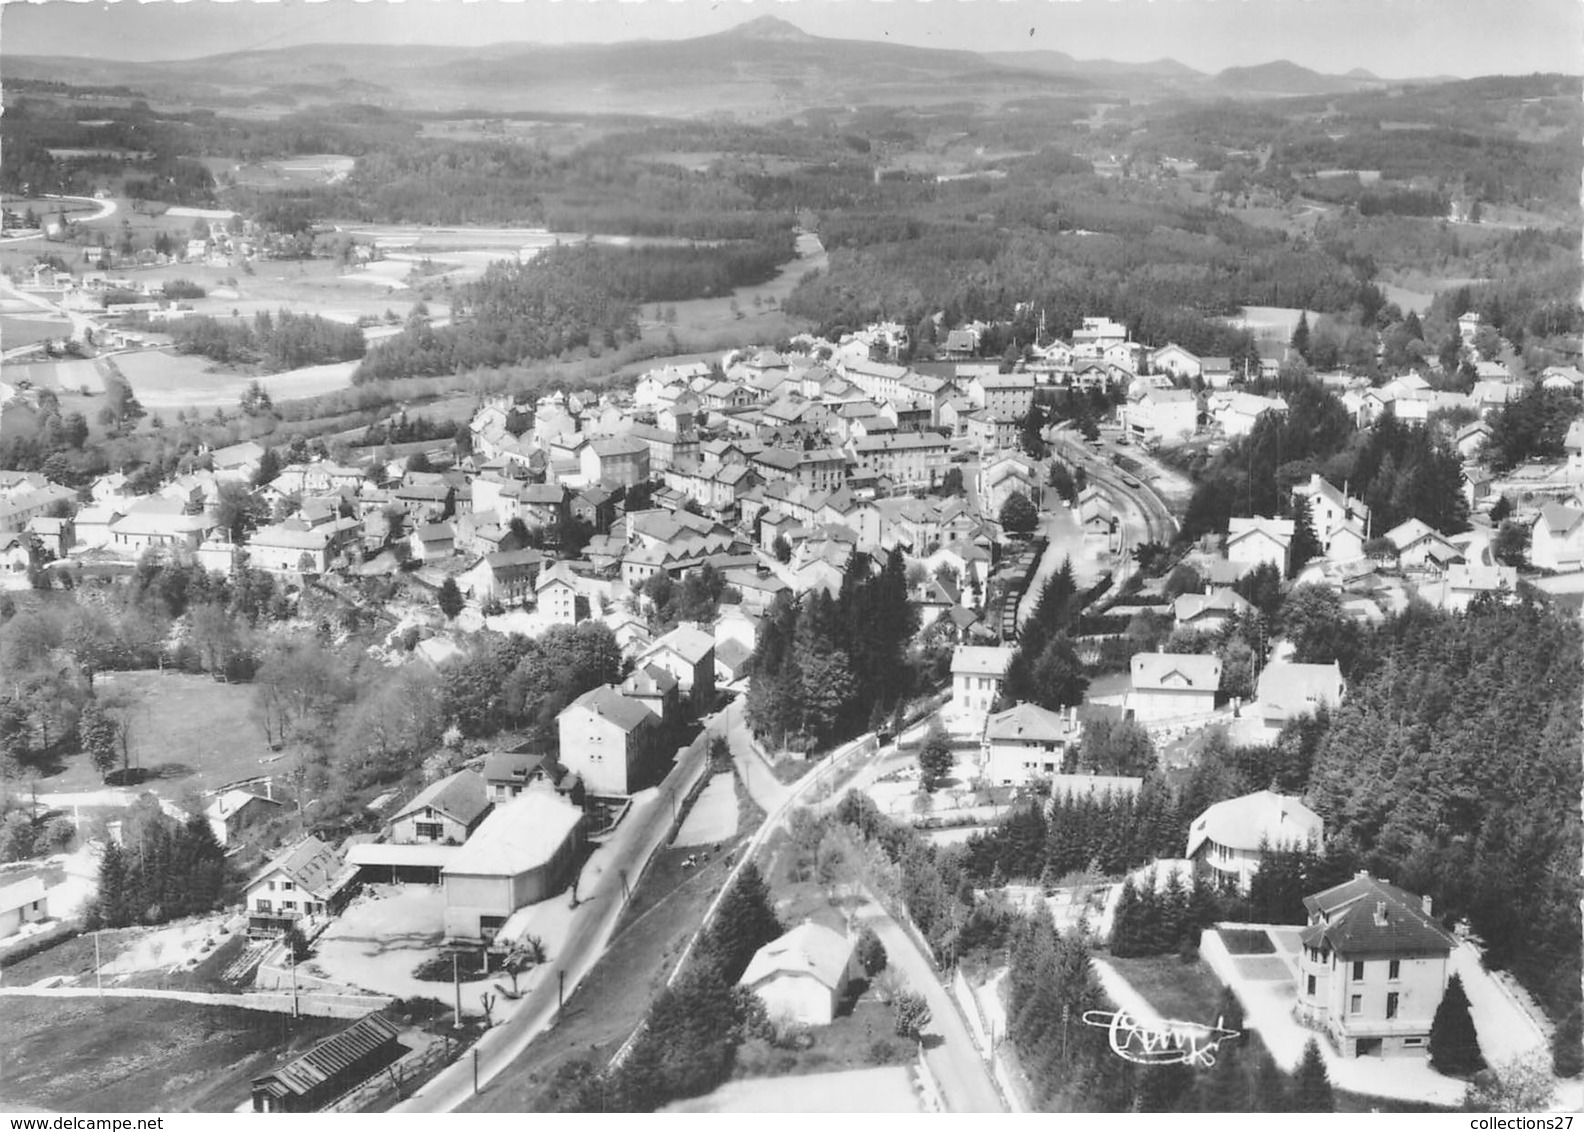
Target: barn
{"type": "Point", "coordinates": [330, 1069]}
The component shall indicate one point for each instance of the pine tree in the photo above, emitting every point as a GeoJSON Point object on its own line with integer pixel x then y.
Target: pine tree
{"type": "Point", "coordinates": [111, 908]}
{"type": "Point", "coordinates": [744, 922]}
{"type": "Point", "coordinates": [935, 756]}
{"type": "Point", "coordinates": [1305, 543]}
{"type": "Point", "coordinates": [1454, 1044]}
{"type": "Point", "coordinates": [1312, 1084]}
{"type": "Point", "coordinates": [1300, 337]}
{"type": "Point", "coordinates": [450, 599]}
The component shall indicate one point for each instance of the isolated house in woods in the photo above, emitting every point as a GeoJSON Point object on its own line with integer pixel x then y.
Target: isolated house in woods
{"type": "Point", "coordinates": [1372, 967]}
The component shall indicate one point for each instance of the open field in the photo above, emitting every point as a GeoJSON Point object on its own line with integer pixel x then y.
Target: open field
{"type": "Point", "coordinates": [26, 327]}
{"type": "Point", "coordinates": [164, 379]}
{"type": "Point", "coordinates": [188, 732]}
{"type": "Point", "coordinates": [142, 1055]}
{"type": "Point", "coordinates": [309, 169]}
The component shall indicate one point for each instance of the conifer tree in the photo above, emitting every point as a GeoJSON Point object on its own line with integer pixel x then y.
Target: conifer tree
{"type": "Point", "coordinates": [1312, 1084]}
{"type": "Point", "coordinates": [1454, 1044]}
{"type": "Point", "coordinates": [744, 922]}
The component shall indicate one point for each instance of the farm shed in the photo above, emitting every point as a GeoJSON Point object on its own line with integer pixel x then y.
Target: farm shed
{"type": "Point", "coordinates": [333, 1067]}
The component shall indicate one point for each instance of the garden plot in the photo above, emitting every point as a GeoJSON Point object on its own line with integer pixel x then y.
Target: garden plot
{"type": "Point", "coordinates": [713, 817]}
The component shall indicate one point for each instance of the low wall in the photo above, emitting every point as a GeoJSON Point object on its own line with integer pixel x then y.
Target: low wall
{"type": "Point", "coordinates": [319, 1006]}
{"type": "Point", "coordinates": [928, 1085]}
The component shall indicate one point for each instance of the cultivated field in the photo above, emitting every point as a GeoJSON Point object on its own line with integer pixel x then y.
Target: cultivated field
{"type": "Point", "coordinates": [142, 1055]}
{"type": "Point", "coordinates": [164, 379]}
{"type": "Point", "coordinates": [189, 732]}
{"type": "Point", "coordinates": [69, 375]}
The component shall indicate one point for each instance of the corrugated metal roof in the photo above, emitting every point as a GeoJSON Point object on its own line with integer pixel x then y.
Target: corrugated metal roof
{"type": "Point", "coordinates": [330, 1057]}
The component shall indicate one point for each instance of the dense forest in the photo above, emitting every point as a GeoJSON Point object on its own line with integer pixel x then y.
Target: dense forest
{"type": "Point", "coordinates": [275, 342]}
{"type": "Point", "coordinates": [567, 297]}
{"type": "Point", "coordinates": [1452, 768]}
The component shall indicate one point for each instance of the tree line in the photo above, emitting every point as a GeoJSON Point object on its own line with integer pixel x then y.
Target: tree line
{"type": "Point", "coordinates": [275, 342]}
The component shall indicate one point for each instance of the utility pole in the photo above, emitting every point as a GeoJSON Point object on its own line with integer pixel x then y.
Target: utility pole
{"type": "Point", "coordinates": [475, 1071]}
{"type": "Point", "coordinates": [561, 990]}
{"type": "Point", "coordinates": [291, 946]}
{"type": "Point", "coordinates": [456, 982]}
{"type": "Point", "coordinates": [98, 967]}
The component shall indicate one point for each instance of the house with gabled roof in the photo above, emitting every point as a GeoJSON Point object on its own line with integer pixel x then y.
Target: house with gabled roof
{"type": "Point", "coordinates": [233, 811]}
{"type": "Point", "coordinates": [299, 886]}
{"type": "Point", "coordinates": [1229, 841]}
{"type": "Point", "coordinates": [23, 902]}
{"type": "Point", "coordinates": [1172, 685]}
{"type": "Point", "coordinates": [804, 975]}
{"type": "Point", "coordinates": [612, 742]}
{"type": "Point", "coordinates": [1421, 546]}
{"type": "Point", "coordinates": [1573, 445]}
{"type": "Point", "coordinates": [977, 672]}
{"type": "Point", "coordinates": [1026, 742]}
{"type": "Point", "coordinates": [1472, 438]}
{"type": "Point", "coordinates": [1372, 967]}
{"type": "Point", "coordinates": [556, 593]}
{"type": "Point", "coordinates": [1211, 612]}
{"type": "Point", "coordinates": [1251, 541]}
{"type": "Point", "coordinates": [444, 812]}
{"type": "Point", "coordinates": [1556, 538]}
{"type": "Point", "coordinates": [1289, 691]}
{"type": "Point", "coordinates": [1330, 510]}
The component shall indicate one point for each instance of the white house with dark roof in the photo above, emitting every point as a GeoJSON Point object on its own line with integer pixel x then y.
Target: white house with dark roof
{"type": "Point", "coordinates": [1463, 583]}
{"type": "Point", "coordinates": [804, 975]}
{"type": "Point", "coordinates": [1372, 968]}
{"type": "Point", "coordinates": [1173, 685]}
{"type": "Point", "coordinates": [610, 741]}
{"type": "Point", "coordinates": [523, 853]}
{"type": "Point", "coordinates": [445, 812]}
{"type": "Point", "coordinates": [1178, 362]}
{"type": "Point", "coordinates": [1229, 840]}
{"type": "Point", "coordinates": [298, 887]}
{"type": "Point", "coordinates": [1027, 741]}
{"type": "Point", "coordinates": [233, 811]}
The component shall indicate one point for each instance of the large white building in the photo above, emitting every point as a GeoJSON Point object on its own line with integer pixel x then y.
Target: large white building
{"type": "Point", "coordinates": [1027, 741]}
{"type": "Point", "coordinates": [1230, 839]}
{"type": "Point", "coordinates": [523, 853]}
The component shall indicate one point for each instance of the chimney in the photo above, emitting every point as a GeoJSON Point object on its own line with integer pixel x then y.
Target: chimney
{"type": "Point", "coordinates": [1425, 905]}
{"type": "Point", "coordinates": [1380, 914]}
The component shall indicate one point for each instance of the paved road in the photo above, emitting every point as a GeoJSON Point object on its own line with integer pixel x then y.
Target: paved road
{"type": "Point", "coordinates": [965, 1081]}
{"type": "Point", "coordinates": [107, 208]}
{"type": "Point", "coordinates": [590, 934]}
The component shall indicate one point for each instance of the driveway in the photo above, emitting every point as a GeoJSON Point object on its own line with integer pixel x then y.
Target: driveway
{"type": "Point", "coordinates": [964, 1080]}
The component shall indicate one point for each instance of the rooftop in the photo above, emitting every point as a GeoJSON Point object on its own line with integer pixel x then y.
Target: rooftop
{"type": "Point", "coordinates": [1254, 820]}
{"type": "Point", "coordinates": [519, 835]}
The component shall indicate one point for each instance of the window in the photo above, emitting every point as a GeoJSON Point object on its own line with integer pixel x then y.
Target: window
{"type": "Point", "coordinates": [1391, 1005]}
{"type": "Point", "coordinates": [263, 905]}
{"type": "Point", "coordinates": [286, 886]}
{"type": "Point", "coordinates": [1412, 1043]}
{"type": "Point", "coordinates": [1394, 970]}
{"type": "Point", "coordinates": [1356, 1004]}
{"type": "Point", "coordinates": [272, 886]}
{"type": "Point", "coordinates": [1358, 971]}
{"type": "Point", "coordinates": [1311, 989]}
{"type": "Point", "coordinates": [428, 830]}
{"type": "Point", "coordinates": [288, 905]}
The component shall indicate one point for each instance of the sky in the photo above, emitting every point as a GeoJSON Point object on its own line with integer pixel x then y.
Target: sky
{"type": "Point", "coordinates": [1393, 38]}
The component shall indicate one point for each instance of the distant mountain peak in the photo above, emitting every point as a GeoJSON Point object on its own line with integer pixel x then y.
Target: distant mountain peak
{"type": "Point", "coordinates": [770, 28]}
{"type": "Point", "coordinates": [1363, 73]}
